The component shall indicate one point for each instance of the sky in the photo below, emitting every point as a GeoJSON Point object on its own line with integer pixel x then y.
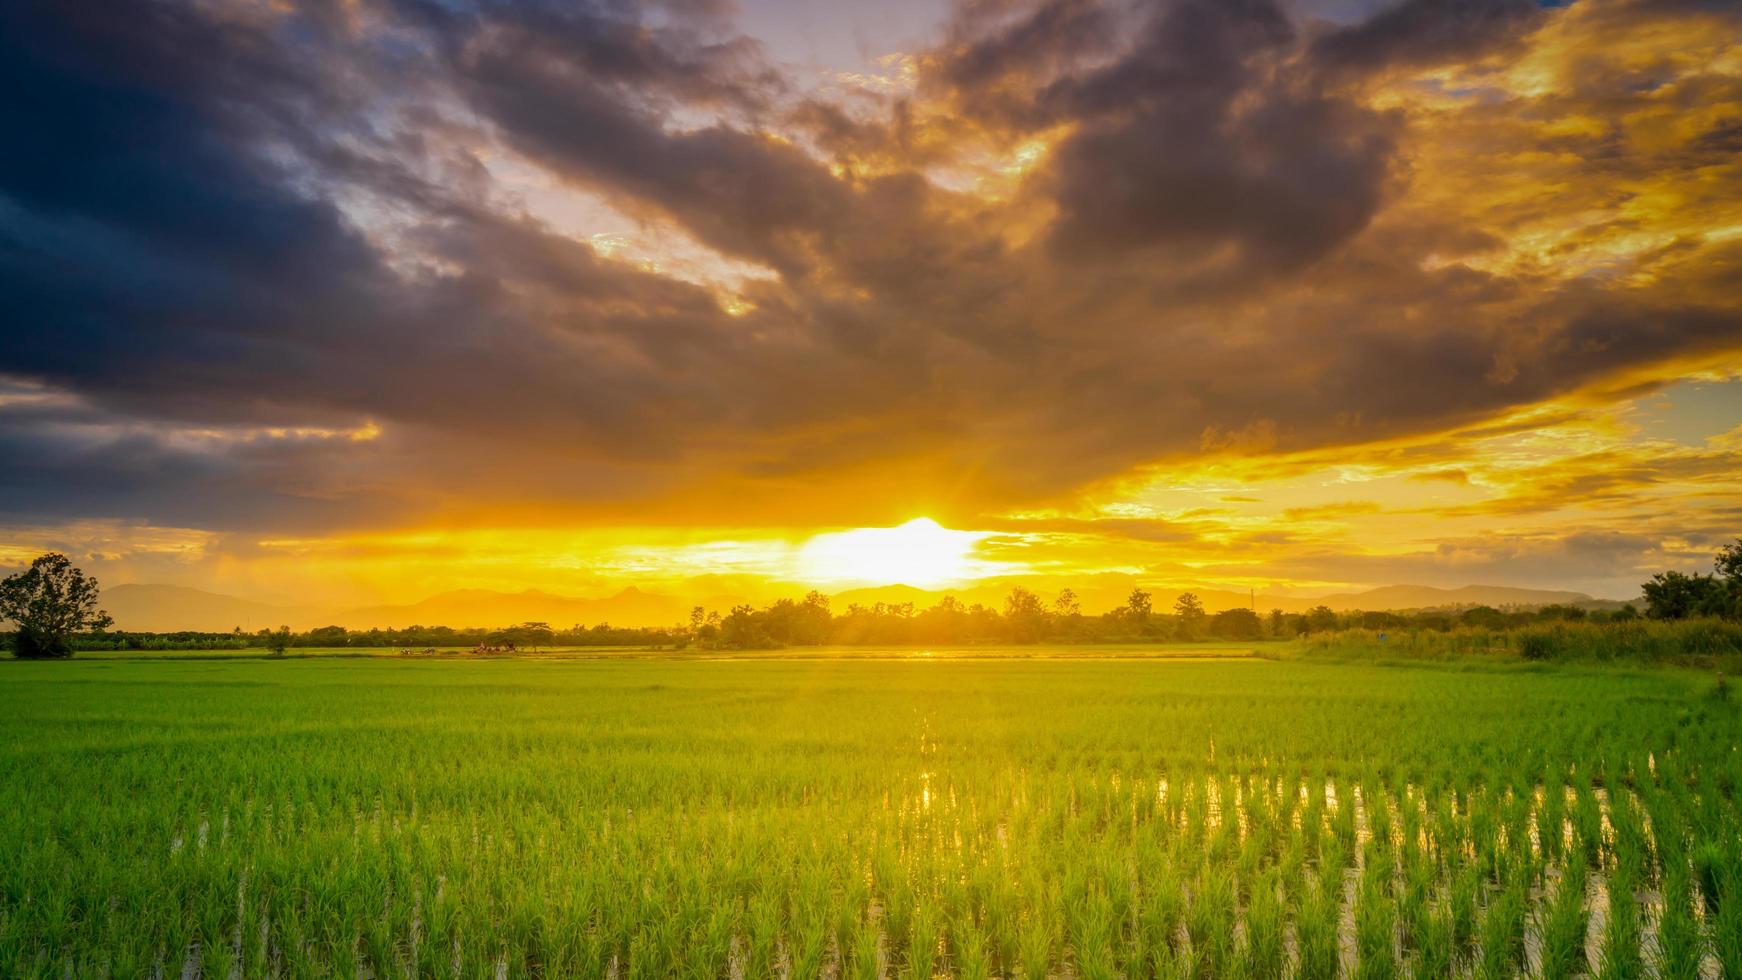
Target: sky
{"type": "Point", "coordinates": [362, 300]}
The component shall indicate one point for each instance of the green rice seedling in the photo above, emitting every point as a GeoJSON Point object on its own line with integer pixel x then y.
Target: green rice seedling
{"type": "Point", "coordinates": [1679, 944]}
{"type": "Point", "coordinates": [710, 945]}
{"type": "Point", "coordinates": [1161, 915]}
{"type": "Point", "coordinates": [1247, 865]}
{"type": "Point", "coordinates": [1035, 949]}
{"type": "Point", "coordinates": [809, 943]}
{"type": "Point", "coordinates": [1551, 815]}
{"type": "Point", "coordinates": [1343, 817]}
{"type": "Point", "coordinates": [973, 959]}
{"type": "Point", "coordinates": [1622, 951]}
{"type": "Point", "coordinates": [922, 944]}
{"type": "Point", "coordinates": [1264, 952]}
{"type": "Point", "coordinates": [1002, 911]}
{"type": "Point", "coordinates": [1410, 830]}
{"type": "Point", "coordinates": [1381, 829]}
{"type": "Point", "coordinates": [1436, 950]}
{"type": "Point", "coordinates": [1587, 817]}
{"type": "Point", "coordinates": [1414, 900]}
{"type": "Point", "coordinates": [1210, 922]}
{"type": "Point", "coordinates": [1335, 860]}
{"type": "Point", "coordinates": [1312, 815]}
{"type": "Point", "coordinates": [866, 961]}
{"type": "Point", "coordinates": [1667, 811]}
{"type": "Point", "coordinates": [1709, 864]}
{"type": "Point", "coordinates": [1502, 936]}
{"type": "Point", "coordinates": [1562, 924]}
{"type": "Point", "coordinates": [1093, 926]}
{"type": "Point", "coordinates": [1375, 926]}
{"type": "Point", "coordinates": [1726, 918]}
{"type": "Point", "coordinates": [1316, 930]}
{"type": "Point", "coordinates": [1517, 860]}
{"type": "Point", "coordinates": [1632, 851]}
{"type": "Point", "coordinates": [765, 915]}
{"type": "Point", "coordinates": [1462, 906]}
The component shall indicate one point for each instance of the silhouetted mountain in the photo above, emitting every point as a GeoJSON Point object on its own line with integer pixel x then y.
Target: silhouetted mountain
{"type": "Point", "coordinates": [483, 607]}
{"type": "Point", "coordinates": [1428, 597]}
{"type": "Point", "coordinates": [167, 608]}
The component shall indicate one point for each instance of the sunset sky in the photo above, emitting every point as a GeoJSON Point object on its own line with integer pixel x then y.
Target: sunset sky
{"type": "Point", "coordinates": [362, 300]}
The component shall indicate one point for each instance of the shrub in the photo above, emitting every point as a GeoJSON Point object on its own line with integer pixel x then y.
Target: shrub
{"type": "Point", "coordinates": [1539, 644]}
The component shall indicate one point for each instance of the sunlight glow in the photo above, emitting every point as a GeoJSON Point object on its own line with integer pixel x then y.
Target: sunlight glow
{"type": "Point", "coordinates": [921, 553]}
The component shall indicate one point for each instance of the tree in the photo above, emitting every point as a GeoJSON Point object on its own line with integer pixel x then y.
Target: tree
{"type": "Point", "coordinates": [531, 634]}
{"type": "Point", "coordinates": [278, 640]}
{"type": "Point", "coordinates": [1320, 619]}
{"type": "Point", "coordinates": [1066, 605]}
{"type": "Point", "coordinates": [1485, 617]}
{"type": "Point", "coordinates": [947, 622]}
{"type": "Point", "coordinates": [1276, 622]}
{"type": "Point", "coordinates": [1238, 623]}
{"type": "Point", "coordinates": [810, 622]}
{"type": "Point", "coordinates": [746, 629]}
{"type": "Point", "coordinates": [1673, 595]}
{"type": "Point", "coordinates": [1138, 604]}
{"type": "Point", "coordinates": [1190, 610]}
{"type": "Point", "coordinates": [1728, 564]}
{"type": "Point", "coordinates": [50, 601]}
{"type": "Point", "coordinates": [1025, 615]}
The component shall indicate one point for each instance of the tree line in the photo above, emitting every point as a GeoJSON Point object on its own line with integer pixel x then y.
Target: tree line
{"type": "Point", "coordinates": [54, 609]}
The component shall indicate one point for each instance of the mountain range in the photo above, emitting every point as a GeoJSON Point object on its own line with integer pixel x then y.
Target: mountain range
{"type": "Point", "coordinates": [164, 608]}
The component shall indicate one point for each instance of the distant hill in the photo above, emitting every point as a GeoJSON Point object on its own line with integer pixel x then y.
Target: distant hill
{"type": "Point", "coordinates": [483, 607]}
{"type": "Point", "coordinates": [165, 608]}
{"type": "Point", "coordinates": [1428, 597]}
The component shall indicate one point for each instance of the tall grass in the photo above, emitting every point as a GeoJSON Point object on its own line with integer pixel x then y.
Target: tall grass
{"type": "Point", "coordinates": [1697, 642]}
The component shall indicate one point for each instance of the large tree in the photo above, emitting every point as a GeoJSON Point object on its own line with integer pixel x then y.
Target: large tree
{"type": "Point", "coordinates": [1025, 616]}
{"type": "Point", "coordinates": [50, 602]}
{"type": "Point", "coordinates": [1672, 595]}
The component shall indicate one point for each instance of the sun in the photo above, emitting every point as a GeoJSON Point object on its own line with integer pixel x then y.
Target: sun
{"type": "Point", "coordinates": [921, 552]}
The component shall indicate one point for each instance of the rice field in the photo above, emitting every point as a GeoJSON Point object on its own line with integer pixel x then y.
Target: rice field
{"type": "Point", "coordinates": [383, 817]}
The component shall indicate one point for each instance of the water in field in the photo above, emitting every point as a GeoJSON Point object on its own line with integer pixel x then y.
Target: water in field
{"type": "Point", "coordinates": [1081, 819]}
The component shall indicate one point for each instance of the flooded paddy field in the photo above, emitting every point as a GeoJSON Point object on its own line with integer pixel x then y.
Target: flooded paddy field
{"type": "Point", "coordinates": [884, 818]}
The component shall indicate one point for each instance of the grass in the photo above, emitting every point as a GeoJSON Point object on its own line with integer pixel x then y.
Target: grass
{"type": "Point", "coordinates": [655, 817]}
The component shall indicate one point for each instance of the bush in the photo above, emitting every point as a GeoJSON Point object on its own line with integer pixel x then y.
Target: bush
{"type": "Point", "coordinates": [1539, 644]}
{"type": "Point", "coordinates": [26, 646]}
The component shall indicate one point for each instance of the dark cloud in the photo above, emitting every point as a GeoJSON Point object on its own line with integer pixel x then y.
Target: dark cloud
{"type": "Point", "coordinates": [996, 57]}
{"type": "Point", "coordinates": [1282, 184]}
{"type": "Point", "coordinates": [306, 228]}
{"type": "Point", "coordinates": [1420, 33]}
